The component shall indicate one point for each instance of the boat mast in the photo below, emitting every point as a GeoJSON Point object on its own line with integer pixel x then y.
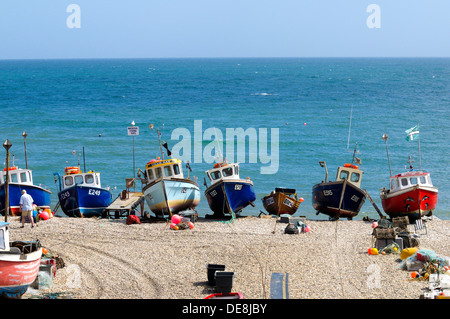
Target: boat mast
{"type": "Point", "coordinates": [349, 127]}
{"type": "Point", "coordinates": [420, 164]}
{"type": "Point", "coordinates": [24, 134]}
{"type": "Point", "coordinates": [385, 138]}
{"type": "Point", "coordinates": [354, 152]}
{"type": "Point", "coordinates": [160, 146]}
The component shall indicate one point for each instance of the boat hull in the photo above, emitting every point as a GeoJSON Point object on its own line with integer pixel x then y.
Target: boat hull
{"type": "Point", "coordinates": [17, 273]}
{"type": "Point", "coordinates": [414, 202]}
{"type": "Point", "coordinates": [278, 203]}
{"type": "Point", "coordinates": [41, 197]}
{"type": "Point", "coordinates": [84, 201]}
{"type": "Point", "coordinates": [181, 194]}
{"type": "Point", "coordinates": [227, 196]}
{"type": "Point", "coordinates": [326, 198]}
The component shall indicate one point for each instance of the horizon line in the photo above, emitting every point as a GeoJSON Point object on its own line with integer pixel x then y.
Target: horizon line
{"type": "Point", "coordinates": [224, 58]}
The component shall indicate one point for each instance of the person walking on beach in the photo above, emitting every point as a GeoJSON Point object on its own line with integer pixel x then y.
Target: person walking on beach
{"type": "Point", "coordinates": [26, 207]}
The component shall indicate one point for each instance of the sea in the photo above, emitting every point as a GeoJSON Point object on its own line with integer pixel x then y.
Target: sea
{"type": "Point", "coordinates": [303, 110]}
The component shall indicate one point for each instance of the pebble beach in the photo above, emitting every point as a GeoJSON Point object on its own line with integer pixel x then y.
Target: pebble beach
{"type": "Point", "coordinates": [108, 259]}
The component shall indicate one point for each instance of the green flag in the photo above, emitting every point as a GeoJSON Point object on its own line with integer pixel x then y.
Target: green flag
{"type": "Point", "coordinates": [413, 133]}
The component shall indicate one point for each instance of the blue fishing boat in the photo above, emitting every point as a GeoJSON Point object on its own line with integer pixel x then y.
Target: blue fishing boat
{"type": "Point", "coordinates": [342, 197]}
{"type": "Point", "coordinates": [166, 190]}
{"type": "Point", "coordinates": [22, 179]}
{"type": "Point", "coordinates": [80, 194]}
{"type": "Point", "coordinates": [228, 193]}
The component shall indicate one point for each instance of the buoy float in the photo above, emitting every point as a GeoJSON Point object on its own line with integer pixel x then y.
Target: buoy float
{"type": "Point", "coordinates": [408, 252]}
{"type": "Point", "coordinates": [176, 219]}
{"type": "Point", "coordinates": [12, 168]}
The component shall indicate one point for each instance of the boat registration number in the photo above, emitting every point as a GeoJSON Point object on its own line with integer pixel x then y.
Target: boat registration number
{"type": "Point", "coordinates": [237, 187]}
{"type": "Point", "coordinates": [95, 192]}
{"type": "Point", "coordinates": [65, 195]}
{"type": "Point", "coordinates": [327, 192]}
{"type": "Point", "coordinates": [288, 202]}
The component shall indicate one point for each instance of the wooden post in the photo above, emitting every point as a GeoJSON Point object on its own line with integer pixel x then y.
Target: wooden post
{"type": "Point", "coordinates": [342, 197]}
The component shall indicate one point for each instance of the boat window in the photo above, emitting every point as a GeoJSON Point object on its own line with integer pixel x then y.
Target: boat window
{"type": "Point", "coordinates": [215, 175]}
{"type": "Point", "coordinates": [176, 169]}
{"type": "Point", "coordinates": [68, 181]}
{"type": "Point", "coordinates": [89, 179]}
{"type": "Point", "coordinates": [423, 180]}
{"type": "Point", "coordinates": [404, 182]}
{"type": "Point", "coordinates": [78, 179]}
{"type": "Point", "coordinates": [355, 177]}
{"type": "Point", "coordinates": [343, 175]}
{"type": "Point", "coordinates": [168, 171]}
{"type": "Point", "coordinates": [413, 180]}
{"type": "Point", "coordinates": [23, 177]}
{"type": "Point", "coordinates": [394, 184]}
{"type": "Point", "coordinates": [150, 174]}
{"type": "Point", "coordinates": [97, 182]}
{"type": "Point", "coordinates": [2, 239]}
{"type": "Point", "coordinates": [158, 172]}
{"type": "Point", "coordinates": [13, 178]}
{"type": "Point", "coordinates": [227, 171]}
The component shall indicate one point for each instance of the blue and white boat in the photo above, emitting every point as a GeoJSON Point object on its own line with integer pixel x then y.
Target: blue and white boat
{"type": "Point", "coordinates": [81, 194]}
{"type": "Point", "coordinates": [342, 197]}
{"type": "Point", "coordinates": [166, 190]}
{"type": "Point", "coordinates": [22, 179]}
{"type": "Point", "coordinates": [228, 193]}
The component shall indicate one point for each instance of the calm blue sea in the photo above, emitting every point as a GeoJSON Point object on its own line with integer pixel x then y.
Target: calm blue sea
{"type": "Point", "coordinates": [65, 105]}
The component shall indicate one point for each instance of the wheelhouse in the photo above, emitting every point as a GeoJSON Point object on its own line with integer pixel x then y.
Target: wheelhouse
{"type": "Point", "coordinates": [170, 168]}
{"type": "Point", "coordinates": [223, 171]}
{"type": "Point", "coordinates": [409, 179]}
{"type": "Point", "coordinates": [91, 179]}
{"type": "Point", "coordinates": [351, 173]}
{"type": "Point", "coordinates": [17, 175]}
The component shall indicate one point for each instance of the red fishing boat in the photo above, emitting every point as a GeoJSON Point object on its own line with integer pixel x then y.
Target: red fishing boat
{"type": "Point", "coordinates": [19, 264]}
{"type": "Point", "coordinates": [411, 193]}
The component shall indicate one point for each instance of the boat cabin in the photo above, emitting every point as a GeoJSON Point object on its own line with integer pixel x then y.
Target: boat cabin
{"type": "Point", "coordinates": [169, 168]}
{"type": "Point", "coordinates": [75, 177]}
{"type": "Point", "coordinates": [223, 171]}
{"type": "Point", "coordinates": [4, 237]}
{"type": "Point", "coordinates": [351, 173]}
{"type": "Point", "coordinates": [409, 179]}
{"type": "Point", "coordinates": [17, 175]}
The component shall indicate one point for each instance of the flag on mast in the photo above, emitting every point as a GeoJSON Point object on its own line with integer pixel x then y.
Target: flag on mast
{"type": "Point", "coordinates": [413, 133]}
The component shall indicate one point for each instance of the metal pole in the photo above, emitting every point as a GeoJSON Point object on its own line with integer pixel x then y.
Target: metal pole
{"type": "Point", "coordinates": [24, 134]}
{"type": "Point", "coordinates": [84, 160]}
{"type": "Point", "coordinates": [420, 163]}
{"type": "Point", "coordinates": [160, 147]}
{"type": "Point", "coordinates": [385, 137]}
{"type": "Point", "coordinates": [7, 145]}
{"type": "Point", "coordinates": [134, 166]}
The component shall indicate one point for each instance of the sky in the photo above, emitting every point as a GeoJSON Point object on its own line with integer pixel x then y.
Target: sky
{"type": "Point", "coordinates": [44, 29]}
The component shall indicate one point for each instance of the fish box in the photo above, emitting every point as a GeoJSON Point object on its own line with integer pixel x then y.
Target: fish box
{"type": "Point", "coordinates": [224, 281]}
{"type": "Point", "coordinates": [211, 271]}
{"type": "Point", "coordinates": [401, 222]}
{"type": "Point", "coordinates": [388, 233]}
{"type": "Point", "coordinates": [380, 243]}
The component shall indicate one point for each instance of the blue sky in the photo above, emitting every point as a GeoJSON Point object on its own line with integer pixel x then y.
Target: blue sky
{"type": "Point", "coordinates": [37, 29]}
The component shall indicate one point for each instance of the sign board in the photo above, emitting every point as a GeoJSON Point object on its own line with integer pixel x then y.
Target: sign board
{"type": "Point", "coordinates": [133, 130]}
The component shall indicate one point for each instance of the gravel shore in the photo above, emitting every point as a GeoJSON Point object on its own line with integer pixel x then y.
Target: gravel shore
{"type": "Point", "coordinates": [107, 259]}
